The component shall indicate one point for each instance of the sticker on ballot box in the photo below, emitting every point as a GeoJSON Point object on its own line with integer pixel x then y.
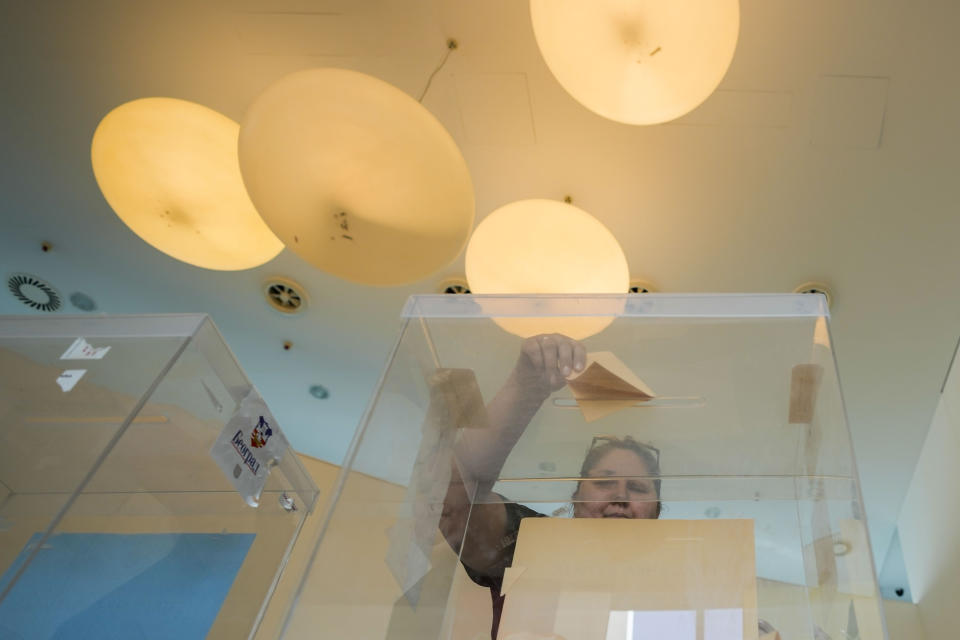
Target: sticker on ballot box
{"type": "Point", "coordinates": [249, 445]}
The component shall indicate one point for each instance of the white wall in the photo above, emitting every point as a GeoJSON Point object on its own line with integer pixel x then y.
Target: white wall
{"type": "Point", "coordinates": [903, 621]}
{"type": "Point", "coordinates": [929, 521]}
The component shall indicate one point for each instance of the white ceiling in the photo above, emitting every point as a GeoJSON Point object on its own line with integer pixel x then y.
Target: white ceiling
{"type": "Point", "coordinates": [829, 153]}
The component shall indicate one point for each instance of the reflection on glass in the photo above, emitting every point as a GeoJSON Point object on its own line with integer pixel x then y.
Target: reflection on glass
{"type": "Point", "coordinates": [718, 624]}
{"type": "Point", "coordinates": [723, 624]}
{"type": "Point", "coordinates": [650, 625]}
{"type": "Point", "coordinates": [711, 519]}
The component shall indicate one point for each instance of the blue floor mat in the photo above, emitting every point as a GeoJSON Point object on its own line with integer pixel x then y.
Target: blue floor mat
{"type": "Point", "coordinates": [125, 586]}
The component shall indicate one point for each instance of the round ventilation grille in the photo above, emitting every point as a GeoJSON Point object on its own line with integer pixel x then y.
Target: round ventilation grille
{"type": "Point", "coordinates": [34, 292]}
{"type": "Point", "coordinates": [454, 285]}
{"type": "Point", "coordinates": [641, 286]}
{"type": "Point", "coordinates": [817, 287]}
{"type": "Point", "coordinates": [285, 295]}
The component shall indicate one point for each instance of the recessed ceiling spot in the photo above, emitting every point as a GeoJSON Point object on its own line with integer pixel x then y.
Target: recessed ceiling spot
{"type": "Point", "coordinates": [319, 392]}
{"type": "Point", "coordinates": [454, 285]}
{"type": "Point", "coordinates": [816, 287]}
{"type": "Point", "coordinates": [285, 295]}
{"type": "Point", "coordinates": [35, 293]}
{"type": "Point", "coordinates": [82, 301]}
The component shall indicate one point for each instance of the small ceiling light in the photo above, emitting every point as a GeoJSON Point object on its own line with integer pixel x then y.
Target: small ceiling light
{"type": "Point", "coordinates": [841, 547]}
{"type": "Point", "coordinates": [545, 246]}
{"type": "Point", "coordinates": [356, 177]}
{"type": "Point", "coordinates": [82, 301]}
{"type": "Point", "coordinates": [169, 170]}
{"type": "Point", "coordinates": [319, 392]}
{"type": "Point", "coordinates": [637, 62]}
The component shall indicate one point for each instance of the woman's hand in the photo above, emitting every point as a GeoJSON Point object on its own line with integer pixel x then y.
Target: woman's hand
{"type": "Point", "coordinates": [545, 363]}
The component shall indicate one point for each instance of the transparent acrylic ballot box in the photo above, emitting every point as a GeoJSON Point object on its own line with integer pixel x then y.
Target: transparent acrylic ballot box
{"type": "Point", "coordinates": [729, 403]}
{"type": "Point", "coordinates": [117, 517]}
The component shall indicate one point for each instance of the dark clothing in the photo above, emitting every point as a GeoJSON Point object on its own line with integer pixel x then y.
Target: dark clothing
{"type": "Point", "coordinates": [492, 577]}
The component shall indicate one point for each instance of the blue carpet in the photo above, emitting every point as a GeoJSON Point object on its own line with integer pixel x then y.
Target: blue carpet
{"type": "Point", "coordinates": [108, 586]}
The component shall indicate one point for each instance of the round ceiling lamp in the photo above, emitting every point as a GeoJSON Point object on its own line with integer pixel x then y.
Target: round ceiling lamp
{"type": "Point", "coordinates": [545, 246]}
{"type": "Point", "coordinates": [169, 170]}
{"type": "Point", "coordinates": [356, 177]}
{"type": "Point", "coordinates": [635, 62]}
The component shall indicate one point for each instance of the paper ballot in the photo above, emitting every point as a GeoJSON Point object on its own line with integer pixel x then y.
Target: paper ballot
{"type": "Point", "coordinates": [606, 385]}
{"type": "Point", "coordinates": [455, 403]}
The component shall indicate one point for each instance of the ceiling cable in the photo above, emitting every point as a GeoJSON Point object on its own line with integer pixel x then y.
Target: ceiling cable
{"type": "Point", "coordinates": [451, 45]}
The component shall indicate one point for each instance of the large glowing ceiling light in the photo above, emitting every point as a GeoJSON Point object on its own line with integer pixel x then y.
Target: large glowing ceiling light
{"type": "Point", "coordinates": [545, 246]}
{"type": "Point", "coordinates": [169, 170]}
{"type": "Point", "coordinates": [637, 61]}
{"type": "Point", "coordinates": [356, 177]}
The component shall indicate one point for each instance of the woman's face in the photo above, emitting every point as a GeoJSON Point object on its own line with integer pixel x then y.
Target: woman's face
{"type": "Point", "coordinates": [615, 494]}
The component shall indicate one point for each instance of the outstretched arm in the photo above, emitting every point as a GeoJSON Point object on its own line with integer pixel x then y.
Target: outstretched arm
{"type": "Point", "coordinates": [544, 363]}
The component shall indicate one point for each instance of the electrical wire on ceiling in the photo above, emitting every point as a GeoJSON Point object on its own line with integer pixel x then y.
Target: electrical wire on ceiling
{"type": "Point", "coordinates": [451, 45]}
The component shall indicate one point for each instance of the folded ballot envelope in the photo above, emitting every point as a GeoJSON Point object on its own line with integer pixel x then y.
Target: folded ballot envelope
{"type": "Point", "coordinates": [606, 385]}
{"type": "Point", "coordinates": [598, 579]}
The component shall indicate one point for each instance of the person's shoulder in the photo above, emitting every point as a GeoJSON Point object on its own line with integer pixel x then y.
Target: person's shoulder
{"type": "Point", "coordinates": [517, 511]}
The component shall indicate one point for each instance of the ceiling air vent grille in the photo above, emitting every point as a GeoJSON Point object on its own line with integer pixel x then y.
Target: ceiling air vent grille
{"type": "Point", "coordinates": [285, 295]}
{"type": "Point", "coordinates": [817, 287]}
{"type": "Point", "coordinates": [641, 286]}
{"type": "Point", "coordinates": [457, 285]}
{"type": "Point", "coordinates": [34, 292]}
